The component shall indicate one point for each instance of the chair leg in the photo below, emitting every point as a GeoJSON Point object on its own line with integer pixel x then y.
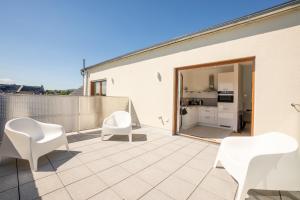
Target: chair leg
{"type": "Point", "coordinates": [216, 161]}
{"type": "Point", "coordinates": [241, 193]}
{"type": "Point", "coordinates": [33, 164]}
{"type": "Point", "coordinates": [130, 137]}
{"type": "Point", "coordinates": [67, 146]}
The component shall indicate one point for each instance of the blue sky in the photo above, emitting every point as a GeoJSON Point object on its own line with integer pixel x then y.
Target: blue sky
{"type": "Point", "coordinates": [43, 42]}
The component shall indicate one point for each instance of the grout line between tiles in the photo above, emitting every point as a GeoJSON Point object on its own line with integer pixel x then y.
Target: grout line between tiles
{"type": "Point", "coordinates": [100, 170]}
{"type": "Point", "coordinates": [103, 156]}
{"type": "Point", "coordinates": [199, 183]}
{"type": "Point", "coordinates": [280, 195]}
{"type": "Point", "coordinates": [139, 145]}
{"type": "Point", "coordinates": [59, 180]}
{"type": "Point", "coordinates": [132, 174]}
{"type": "Point", "coordinates": [19, 196]}
{"type": "Point", "coordinates": [174, 173]}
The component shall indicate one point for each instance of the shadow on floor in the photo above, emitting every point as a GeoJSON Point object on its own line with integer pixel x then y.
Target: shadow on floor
{"type": "Point", "coordinates": [135, 138]}
{"type": "Point", "coordinates": [25, 179]}
{"type": "Point", "coordinates": [50, 161]}
{"type": "Point", "coordinates": [96, 133]}
{"type": "Point", "coordinates": [83, 136]}
{"type": "Point", "coordinates": [263, 194]}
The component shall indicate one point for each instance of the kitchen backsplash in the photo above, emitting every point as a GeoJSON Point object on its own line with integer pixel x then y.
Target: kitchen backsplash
{"type": "Point", "coordinates": [198, 94]}
{"type": "Point", "coordinates": [197, 101]}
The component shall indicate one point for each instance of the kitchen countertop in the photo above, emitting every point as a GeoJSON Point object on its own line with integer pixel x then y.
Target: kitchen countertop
{"type": "Point", "coordinates": [200, 106]}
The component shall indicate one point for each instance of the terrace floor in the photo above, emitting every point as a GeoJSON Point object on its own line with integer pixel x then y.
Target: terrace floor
{"type": "Point", "coordinates": [156, 166]}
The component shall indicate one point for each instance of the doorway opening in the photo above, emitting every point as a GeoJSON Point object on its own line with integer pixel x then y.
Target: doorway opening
{"type": "Point", "coordinates": [214, 100]}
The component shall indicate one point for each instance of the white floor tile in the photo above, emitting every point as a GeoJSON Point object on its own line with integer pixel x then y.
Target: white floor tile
{"type": "Point", "coordinates": [176, 188]}
{"type": "Point", "coordinates": [131, 188]}
{"type": "Point", "coordinates": [86, 188]}
{"type": "Point", "coordinates": [75, 174]}
{"type": "Point", "coordinates": [113, 175]}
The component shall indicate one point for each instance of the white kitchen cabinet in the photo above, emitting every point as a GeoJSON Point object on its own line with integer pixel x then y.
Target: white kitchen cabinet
{"type": "Point", "coordinates": [225, 119]}
{"type": "Point", "coordinates": [191, 118]}
{"type": "Point", "coordinates": [200, 114]}
{"type": "Point", "coordinates": [226, 107]}
{"type": "Point", "coordinates": [208, 115]}
{"type": "Point", "coordinates": [226, 81]}
{"type": "Point", "coordinates": [226, 114]}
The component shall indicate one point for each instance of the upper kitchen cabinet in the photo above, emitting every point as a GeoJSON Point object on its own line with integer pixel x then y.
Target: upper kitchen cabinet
{"type": "Point", "coordinates": [226, 81]}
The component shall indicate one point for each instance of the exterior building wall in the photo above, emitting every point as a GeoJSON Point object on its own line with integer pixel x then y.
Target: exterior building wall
{"type": "Point", "coordinates": [147, 78]}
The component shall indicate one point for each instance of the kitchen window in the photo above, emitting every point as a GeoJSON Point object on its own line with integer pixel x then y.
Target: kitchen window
{"type": "Point", "coordinates": [98, 88]}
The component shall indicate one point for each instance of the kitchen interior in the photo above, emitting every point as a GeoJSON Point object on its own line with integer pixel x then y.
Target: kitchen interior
{"type": "Point", "coordinates": [216, 102]}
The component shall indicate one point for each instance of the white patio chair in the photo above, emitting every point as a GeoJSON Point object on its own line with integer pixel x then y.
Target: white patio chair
{"type": "Point", "coordinates": [118, 123]}
{"type": "Point", "coordinates": [269, 162]}
{"type": "Point", "coordinates": [29, 139]}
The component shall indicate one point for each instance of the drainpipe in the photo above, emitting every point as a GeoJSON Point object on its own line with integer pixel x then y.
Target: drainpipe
{"type": "Point", "coordinates": [84, 74]}
{"type": "Point", "coordinates": [86, 79]}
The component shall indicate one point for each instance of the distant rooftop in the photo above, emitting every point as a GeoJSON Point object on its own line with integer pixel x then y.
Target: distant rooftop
{"type": "Point", "coordinates": [20, 89]}
{"type": "Point", "coordinates": [77, 92]}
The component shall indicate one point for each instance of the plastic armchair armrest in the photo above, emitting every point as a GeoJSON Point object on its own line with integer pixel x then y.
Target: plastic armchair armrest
{"type": "Point", "coordinates": [269, 171]}
{"type": "Point", "coordinates": [15, 133]}
{"type": "Point", "coordinates": [105, 121]}
{"type": "Point", "coordinates": [20, 140]}
{"type": "Point", "coordinates": [51, 128]}
{"type": "Point", "coordinates": [260, 168]}
{"type": "Point", "coordinates": [239, 141]}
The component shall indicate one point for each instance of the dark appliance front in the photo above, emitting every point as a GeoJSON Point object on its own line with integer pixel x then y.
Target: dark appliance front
{"type": "Point", "coordinates": [225, 96]}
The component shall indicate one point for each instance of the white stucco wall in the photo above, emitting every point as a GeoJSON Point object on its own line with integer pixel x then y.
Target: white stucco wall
{"type": "Point", "coordinates": [274, 41]}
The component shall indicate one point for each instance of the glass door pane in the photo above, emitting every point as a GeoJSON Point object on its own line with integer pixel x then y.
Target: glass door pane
{"type": "Point", "coordinates": [103, 88]}
{"type": "Point", "coordinates": [97, 88]}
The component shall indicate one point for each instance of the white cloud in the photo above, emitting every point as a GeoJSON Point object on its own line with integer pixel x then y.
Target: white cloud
{"type": "Point", "coordinates": [6, 81]}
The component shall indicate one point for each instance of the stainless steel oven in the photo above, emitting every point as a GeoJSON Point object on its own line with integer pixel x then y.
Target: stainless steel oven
{"type": "Point", "coordinates": [225, 96]}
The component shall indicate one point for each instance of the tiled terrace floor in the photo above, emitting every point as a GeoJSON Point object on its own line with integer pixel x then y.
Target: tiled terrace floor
{"type": "Point", "coordinates": [156, 166]}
